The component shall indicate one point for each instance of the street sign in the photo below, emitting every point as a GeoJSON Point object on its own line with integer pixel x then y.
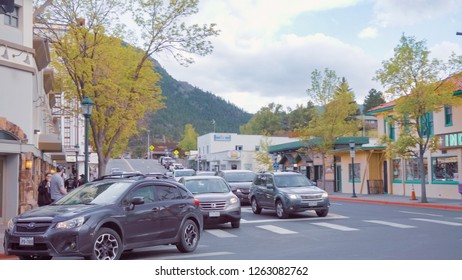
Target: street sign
{"type": "Point", "coordinates": [352, 153]}
{"type": "Point", "coordinates": [151, 148]}
{"type": "Point", "coordinates": [176, 152]}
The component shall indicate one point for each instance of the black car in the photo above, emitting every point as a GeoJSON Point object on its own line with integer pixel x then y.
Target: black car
{"type": "Point", "coordinates": [102, 219]}
{"type": "Point", "coordinates": [240, 182]}
{"type": "Point", "coordinates": [287, 192]}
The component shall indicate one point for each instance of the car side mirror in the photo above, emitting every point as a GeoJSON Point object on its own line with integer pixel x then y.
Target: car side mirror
{"type": "Point", "coordinates": [137, 200]}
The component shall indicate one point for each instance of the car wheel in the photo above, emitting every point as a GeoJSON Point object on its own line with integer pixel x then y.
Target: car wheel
{"type": "Point", "coordinates": [29, 257]}
{"type": "Point", "coordinates": [255, 208]}
{"type": "Point", "coordinates": [280, 211]}
{"type": "Point", "coordinates": [322, 213]}
{"type": "Point", "coordinates": [107, 245]}
{"type": "Point", "coordinates": [189, 237]}
{"type": "Point", "coordinates": [236, 224]}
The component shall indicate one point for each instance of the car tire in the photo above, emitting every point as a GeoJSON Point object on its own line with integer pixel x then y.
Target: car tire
{"type": "Point", "coordinates": [280, 211]}
{"type": "Point", "coordinates": [322, 213]}
{"type": "Point", "coordinates": [236, 224]}
{"type": "Point", "coordinates": [189, 237]}
{"type": "Point", "coordinates": [255, 207]}
{"type": "Point", "coordinates": [107, 245]}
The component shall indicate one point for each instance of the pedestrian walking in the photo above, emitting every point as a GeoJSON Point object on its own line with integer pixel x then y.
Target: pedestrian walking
{"type": "Point", "coordinates": [44, 196]}
{"type": "Point", "coordinates": [57, 189]}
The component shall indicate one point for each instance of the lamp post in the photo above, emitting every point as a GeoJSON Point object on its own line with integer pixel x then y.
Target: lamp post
{"type": "Point", "coordinates": [76, 147]}
{"type": "Point", "coordinates": [352, 155]}
{"type": "Point", "coordinates": [149, 151]}
{"type": "Point", "coordinates": [87, 107]}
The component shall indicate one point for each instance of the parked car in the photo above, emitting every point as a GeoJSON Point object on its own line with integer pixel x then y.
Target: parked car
{"type": "Point", "coordinates": [205, 173]}
{"type": "Point", "coordinates": [218, 203]}
{"type": "Point", "coordinates": [287, 192]}
{"type": "Point", "coordinates": [178, 173]}
{"type": "Point", "coordinates": [102, 219]}
{"type": "Point", "coordinates": [176, 166]}
{"type": "Point", "coordinates": [240, 182]}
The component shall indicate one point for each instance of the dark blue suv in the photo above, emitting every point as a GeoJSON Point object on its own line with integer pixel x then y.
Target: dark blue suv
{"type": "Point", "coordinates": [102, 219]}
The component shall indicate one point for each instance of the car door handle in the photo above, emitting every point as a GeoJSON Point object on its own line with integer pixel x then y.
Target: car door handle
{"type": "Point", "coordinates": [155, 209]}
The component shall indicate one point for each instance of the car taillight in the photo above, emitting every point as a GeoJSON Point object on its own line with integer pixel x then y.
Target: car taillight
{"type": "Point", "coordinates": [197, 202]}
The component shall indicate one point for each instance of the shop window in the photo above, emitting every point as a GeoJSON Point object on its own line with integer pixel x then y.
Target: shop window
{"type": "Point", "coordinates": [397, 170]}
{"type": "Point", "coordinates": [412, 170]}
{"type": "Point", "coordinates": [356, 172]}
{"type": "Point", "coordinates": [444, 168]}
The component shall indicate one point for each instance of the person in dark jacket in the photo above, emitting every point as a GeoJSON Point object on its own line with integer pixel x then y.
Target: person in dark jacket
{"type": "Point", "coordinates": [44, 196]}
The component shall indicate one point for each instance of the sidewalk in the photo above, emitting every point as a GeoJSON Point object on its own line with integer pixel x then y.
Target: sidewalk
{"type": "Point", "coordinates": [435, 203]}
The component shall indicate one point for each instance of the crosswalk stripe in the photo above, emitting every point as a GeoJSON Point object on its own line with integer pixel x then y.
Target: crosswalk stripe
{"type": "Point", "coordinates": [389, 224]}
{"type": "Point", "coordinates": [438, 222]}
{"type": "Point", "coordinates": [310, 218]}
{"type": "Point", "coordinates": [334, 226]}
{"type": "Point", "coordinates": [276, 229]}
{"type": "Point", "coordinates": [220, 233]}
{"type": "Point", "coordinates": [420, 213]}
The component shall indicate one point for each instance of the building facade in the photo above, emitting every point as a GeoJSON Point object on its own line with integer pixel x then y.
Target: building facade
{"type": "Point", "coordinates": [222, 151]}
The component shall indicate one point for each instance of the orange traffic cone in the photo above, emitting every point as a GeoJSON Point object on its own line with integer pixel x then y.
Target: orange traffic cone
{"type": "Point", "coordinates": [413, 195]}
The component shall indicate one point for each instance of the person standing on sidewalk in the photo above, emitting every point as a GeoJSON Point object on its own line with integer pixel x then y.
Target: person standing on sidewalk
{"type": "Point", "coordinates": [44, 196]}
{"type": "Point", "coordinates": [57, 188]}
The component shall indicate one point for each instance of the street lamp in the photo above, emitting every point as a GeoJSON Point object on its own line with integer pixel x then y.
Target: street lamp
{"type": "Point", "coordinates": [87, 107]}
{"type": "Point", "coordinates": [76, 147]}
{"type": "Point", "coordinates": [352, 155]}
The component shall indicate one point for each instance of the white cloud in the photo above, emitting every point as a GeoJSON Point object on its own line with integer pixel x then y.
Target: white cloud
{"type": "Point", "coordinates": [410, 12]}
{"type": "Point", "coordinates": [368, 32]}
{"type": "Point", "coordinates": [444, 49]}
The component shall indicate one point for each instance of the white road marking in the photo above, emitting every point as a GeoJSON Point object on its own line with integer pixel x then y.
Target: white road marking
{"type": "Point", "coordinates": [188, 256]}
{"type": "Point", "coordinates": [438, 222]}
{"type": "Point", "coordinates": [419, 213]}
{"type": "Point", "coordinates": [389, 224]}
{"type": "Point", "coordinates": [334, 226]}
{"type": "Point", "coordinates": [312, 218]}
{"type": "Point", "coordinates": [276, 229]}
{"type": "Point", "coordinates": [220, 233]}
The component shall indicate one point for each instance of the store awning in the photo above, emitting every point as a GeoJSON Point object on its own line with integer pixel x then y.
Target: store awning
{"type": "Point", "coordinates": [50, 143]}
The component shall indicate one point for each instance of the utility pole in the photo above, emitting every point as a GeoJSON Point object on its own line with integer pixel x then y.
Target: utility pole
{"type": "Point", "coordinates": [149, 151]}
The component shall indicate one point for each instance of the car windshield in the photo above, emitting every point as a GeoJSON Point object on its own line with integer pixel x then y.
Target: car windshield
{"type": "Point", "coordinates": [95, 193]}
{"type": "Point", "coordinates": [240, 177]}
{"type": "Point", "coordinates": [182, 173]}
{"type": "Point", "coordinates": [198, 186]}
{"type": "Point", "coordinates": [289, 181]}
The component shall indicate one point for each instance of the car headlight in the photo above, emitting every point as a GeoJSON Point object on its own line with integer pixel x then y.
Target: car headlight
{"type": "Point", "coordinates": [293, 196]}
{"type": "Point", "coordinates": [72, 223]}
{"type": "Point", "coordinates": [325, 195]}
{"type": "Point", "coordinates": [10, 225]}
{"type": "Point", "coordinates": [234, 200]}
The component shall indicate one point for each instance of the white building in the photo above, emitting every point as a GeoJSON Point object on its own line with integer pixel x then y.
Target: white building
{"type": "Point", "coordinates": [222, 151]}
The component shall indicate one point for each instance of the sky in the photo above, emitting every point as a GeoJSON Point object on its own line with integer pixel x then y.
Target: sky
{"type": "Point", "coordinates": [267, 49]}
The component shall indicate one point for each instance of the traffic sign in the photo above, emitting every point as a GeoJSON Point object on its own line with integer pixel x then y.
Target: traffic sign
{"type": "Point", "coordinates": [176, 152]}
{"type": "Point", "coordinates": [151, 148]}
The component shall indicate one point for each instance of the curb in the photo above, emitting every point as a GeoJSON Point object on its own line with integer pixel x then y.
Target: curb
{"type": "Point", "coordinates": [8, 257]}
{"type": "Point", "coordinates": [411, 204]}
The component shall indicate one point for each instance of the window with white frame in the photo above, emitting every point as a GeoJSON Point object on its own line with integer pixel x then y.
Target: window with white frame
{"type": "Point", "coordinates": [412, 169]}
{"type": "Point", "coordinates": [12, 19]}
{"type": "Point", "coordinates": [444, 168]}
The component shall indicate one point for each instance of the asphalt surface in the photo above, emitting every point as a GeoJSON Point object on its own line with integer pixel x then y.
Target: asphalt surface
{"type": "Point", "coordinates": [435, 203]}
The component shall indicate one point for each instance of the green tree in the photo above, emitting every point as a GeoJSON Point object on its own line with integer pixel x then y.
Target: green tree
{"type": "Point", "coordinates": [267, 121]}
{"type": "Point", "coordinates": [262, 156]}
{"type": "Point", "coordinates": [121, 84]}
{"type": "Point", "coordinates": [416, 81]}
{"type": "Point", "coordinates": [374, 98]}
{"type": "Point", "coordinates": [189, 141]}
{"type": "Point", "coordinates": [334, 121]}
{"type": "Point", "coordinates": [322, 86]}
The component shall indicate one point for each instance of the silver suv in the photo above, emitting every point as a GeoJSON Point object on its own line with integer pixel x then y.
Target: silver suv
{"type": "Point", "coordinates": [287, 192]}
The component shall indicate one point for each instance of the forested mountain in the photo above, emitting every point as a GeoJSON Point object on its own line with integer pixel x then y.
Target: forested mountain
{"type": "Point", "coordinates": [188, 104]}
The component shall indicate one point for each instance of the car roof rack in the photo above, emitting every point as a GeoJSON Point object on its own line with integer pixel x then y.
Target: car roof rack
{"type": "Point", "coordinates": [125, 175]}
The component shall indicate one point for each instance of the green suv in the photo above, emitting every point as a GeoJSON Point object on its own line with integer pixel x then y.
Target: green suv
{"type": "Point", "coordinates": [287, 192]}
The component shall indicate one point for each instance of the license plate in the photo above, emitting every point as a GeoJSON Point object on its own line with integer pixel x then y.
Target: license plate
{"type": "Point", "coordinates": [312, 203]}
{"type": "Point", "coordinates": [214, 214]}
{"type": "Point", "coordinates": [26, 241]}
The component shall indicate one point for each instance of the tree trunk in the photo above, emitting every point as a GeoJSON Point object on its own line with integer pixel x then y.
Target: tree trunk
{"type": "Point", "coordinates": [423, 187]}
